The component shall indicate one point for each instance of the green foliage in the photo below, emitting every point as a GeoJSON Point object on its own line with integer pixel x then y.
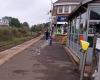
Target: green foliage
{"type": "Point", "coordinates": [15, 22]}
{"type": "Point", "coordinates": [40, 28]}
{"type": "Point", "coordinates": [37, 28]}
{"type": "Point", "coordinates": [46, 25]}
{"type": "Point", "coordinates": [11, 33]}
{"type": "Point", "coordinates": [19, 30]}
{"type": "Point", "coordinates": [5, 34]}
{"type": "Point", "coordinates": [25, 26]}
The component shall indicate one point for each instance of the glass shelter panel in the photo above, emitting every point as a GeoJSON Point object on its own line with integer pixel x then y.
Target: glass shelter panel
{"type": "Point", "coordinates": [95, 13]}
{"type": "Point", "coordinates": [94, 23]}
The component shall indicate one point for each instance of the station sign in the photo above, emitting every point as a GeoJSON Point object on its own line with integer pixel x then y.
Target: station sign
{"type": "Point", "coordinates": [62, 18]}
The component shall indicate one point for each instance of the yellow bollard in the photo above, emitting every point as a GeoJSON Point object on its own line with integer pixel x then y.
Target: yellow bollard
{"type": "Point", "coordinates": [85, 46]}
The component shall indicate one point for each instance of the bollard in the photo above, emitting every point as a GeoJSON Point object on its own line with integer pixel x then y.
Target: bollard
{"type": "Point", "coordinates": [85, 46]}
{"type": "Point", "coordinates": [83, 65]}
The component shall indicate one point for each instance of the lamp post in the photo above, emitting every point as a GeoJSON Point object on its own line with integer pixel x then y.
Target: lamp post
{"type": "Point", "coordinates": [51, 14]}
{"type": "Point", "coordinates": [50, 39]}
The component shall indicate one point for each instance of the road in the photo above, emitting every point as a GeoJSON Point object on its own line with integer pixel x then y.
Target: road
{"type": "Point", "coordinates": [40, 62]}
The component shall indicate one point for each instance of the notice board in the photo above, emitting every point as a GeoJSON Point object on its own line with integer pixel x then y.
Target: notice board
{"type": "Point", "coordinates": [98, 44]}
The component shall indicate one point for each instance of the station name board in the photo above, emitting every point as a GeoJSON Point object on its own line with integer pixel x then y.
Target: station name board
{"type": "Point", "coordinates": [62, 18]}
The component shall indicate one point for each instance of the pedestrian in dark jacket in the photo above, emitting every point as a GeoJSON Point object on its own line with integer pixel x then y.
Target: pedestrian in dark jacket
{"type": "Point", "coordinates": [47, 34]}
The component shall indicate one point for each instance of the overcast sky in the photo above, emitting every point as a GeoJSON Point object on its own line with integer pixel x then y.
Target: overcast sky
{"type": "Point", "coordinates": [32, 11]}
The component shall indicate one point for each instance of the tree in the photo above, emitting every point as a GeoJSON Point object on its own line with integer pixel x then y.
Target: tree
{"type": "Point", "coordinates": [25, 26]}
{"type": "Point", "coordinates": [33, 28]}
{"type": "Point", "coordinates": [15, 22]}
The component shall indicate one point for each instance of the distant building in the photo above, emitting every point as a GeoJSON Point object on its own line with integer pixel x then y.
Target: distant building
{"type": "Point", "coordinates": [4, 22]}
{"type": "Point", "coordinates": [61, 11]}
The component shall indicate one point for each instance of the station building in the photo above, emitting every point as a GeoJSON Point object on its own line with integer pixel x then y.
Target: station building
{"type": "Point", "coordinates": [60, 13]}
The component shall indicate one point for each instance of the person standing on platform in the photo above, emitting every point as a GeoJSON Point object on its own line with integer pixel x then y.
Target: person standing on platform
{"type": "Point", "coordinates": [51, 35]}
{"type": "Point", "coordinates": [50, 38]}
{"type": "Point", "coordinates": [47, 34]}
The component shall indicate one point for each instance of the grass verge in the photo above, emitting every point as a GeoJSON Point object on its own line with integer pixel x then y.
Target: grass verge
{"type": "Point", "coordinates": [16, 41]}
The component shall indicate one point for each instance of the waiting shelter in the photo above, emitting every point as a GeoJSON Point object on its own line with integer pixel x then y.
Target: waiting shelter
{"type": "Point", "coordinates": [84, 23]}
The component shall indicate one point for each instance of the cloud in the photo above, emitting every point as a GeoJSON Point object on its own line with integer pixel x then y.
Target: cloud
{"type": "Point", "coordinates": [32, 11]}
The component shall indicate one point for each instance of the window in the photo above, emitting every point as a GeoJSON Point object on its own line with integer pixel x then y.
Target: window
{"type": "Point", "coordinates": [81, 28]}
{"type": "Point", "coordinates": [95, 13]}
{"type": "Point", "coordinates": [63, 9]}
{"type": "Point", "coordinates": [84, 22]}
{"type": "Point", "coordinates": [90, 40]}
{"type": "Point", "coordinates": [60, 10]}
{"type": "Point", "coordinates": [66, 9]}
{"type": "Point", "coordinates": [77, 23]}
{"type": "Point", "coordinates": [94, 27]}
